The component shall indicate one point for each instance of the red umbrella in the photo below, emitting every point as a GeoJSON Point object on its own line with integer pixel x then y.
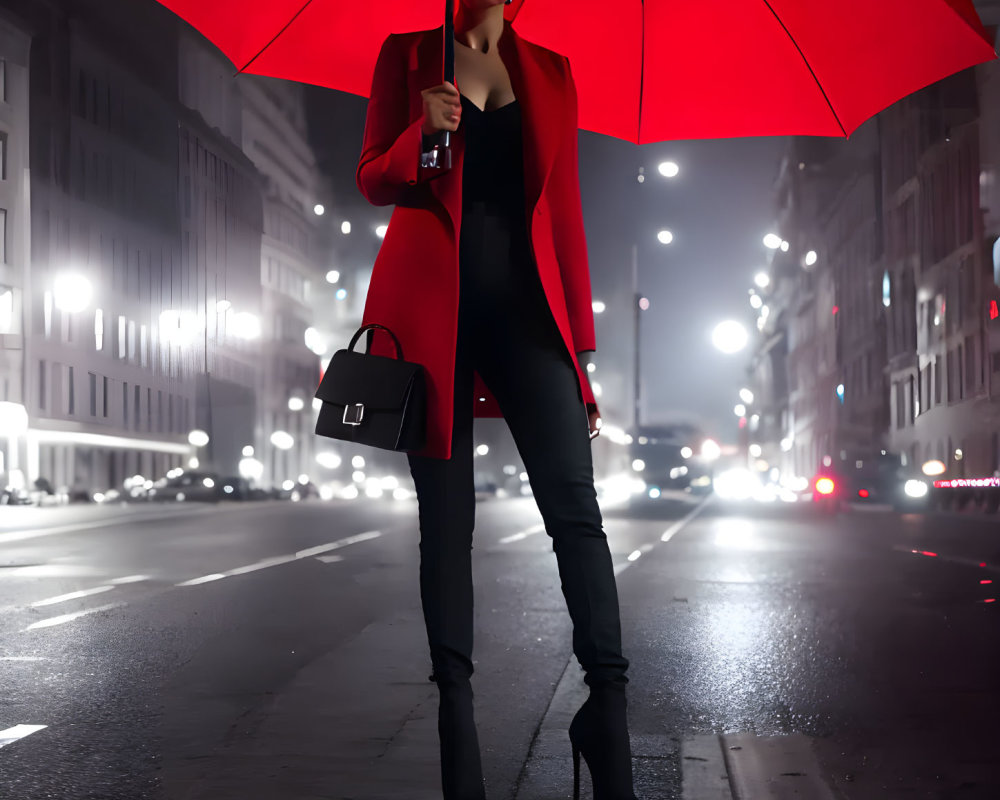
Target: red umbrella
{"type": "Point", "coordinates": [683, 69]}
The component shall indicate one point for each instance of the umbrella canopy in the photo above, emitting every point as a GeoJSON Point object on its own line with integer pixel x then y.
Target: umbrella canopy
{"type": "Point", "coordinates": [646, 71]}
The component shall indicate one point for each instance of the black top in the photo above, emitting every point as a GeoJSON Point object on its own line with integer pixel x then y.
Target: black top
{"type": "Point", "coordinates": [493, 170]}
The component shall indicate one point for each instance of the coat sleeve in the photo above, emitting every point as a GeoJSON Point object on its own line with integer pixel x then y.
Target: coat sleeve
{"type": "Point", "coordinates": [390, 156]}
{"type": "Point", "coordinates": [567, 229]}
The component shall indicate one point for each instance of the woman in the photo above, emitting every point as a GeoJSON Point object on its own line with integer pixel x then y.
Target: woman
{"type": "Point", "coordinates": [483, 277]}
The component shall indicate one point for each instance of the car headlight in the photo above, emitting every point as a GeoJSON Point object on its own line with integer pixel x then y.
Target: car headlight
{"type": "Point", "coordinates": [915, 488]}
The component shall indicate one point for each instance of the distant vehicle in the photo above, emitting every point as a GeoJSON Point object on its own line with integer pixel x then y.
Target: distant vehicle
{"type": "Point", "coordinates": [189, 486]}
{"type": "Point", "coordinates": [486, 486]}
{"type": "Point", "coordinates": [667, 457]}
{"type": "Point", "coordinates": [869, 478]}
{"type": "Point", "coordinates": [235, 488]}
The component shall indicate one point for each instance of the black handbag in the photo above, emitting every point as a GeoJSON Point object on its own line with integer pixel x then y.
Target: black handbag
{"type": "Point", "coordinates": [373, 400]}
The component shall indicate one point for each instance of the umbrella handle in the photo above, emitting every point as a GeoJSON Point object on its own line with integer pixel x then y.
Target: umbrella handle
{"type": "Point", "coordinates": [439, 157]}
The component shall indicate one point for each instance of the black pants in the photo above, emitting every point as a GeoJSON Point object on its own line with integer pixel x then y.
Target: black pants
{"type": "Point", "coordinates": [506, 332]}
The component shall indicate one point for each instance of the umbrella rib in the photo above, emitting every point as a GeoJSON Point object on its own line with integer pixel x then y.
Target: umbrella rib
{"type": "Point", "coordinates": [808, 66]}
{"type": "Point", "coordinates": [271, 41]}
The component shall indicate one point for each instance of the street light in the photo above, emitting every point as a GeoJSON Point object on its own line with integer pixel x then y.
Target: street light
{"type": "Point", "coordinates": [72, 292]}
{"type": "Point", "coordinates": [197, 438]}
{"type": "Point", "coordinates": [762, 279]}
{"type": "Point", "coordinates": [246, 325]}
{"type": "Point", "coordinates": [772, 241]}
{"type": "Point", "coordinates": [319, 210]}
{"type": "Point", "coordinates": [668, 169]}
{"type": "Point", "coordinates": [314, 341]}
{"type": "Point", "coordinates": [729, 336]}
{"type": "Point", "coordinates": [665, 237]}
{"type": "Point", "coordinates": [333, 276]}
{"type": "Point", "coordinates": [746, 395]}
{"type": "Point", "coordinates": [380, 231]}
{"type": "Point", "coordinates": [345, 227]}
{"type": "Point", "coordinates": [282, 440]}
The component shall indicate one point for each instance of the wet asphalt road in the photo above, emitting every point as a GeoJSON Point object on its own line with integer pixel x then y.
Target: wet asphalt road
{"type": "Point", "coordinates": [276, 650]}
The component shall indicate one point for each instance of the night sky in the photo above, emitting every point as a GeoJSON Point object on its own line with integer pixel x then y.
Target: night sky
{"type": "Point", "coordinates": [718, 209]}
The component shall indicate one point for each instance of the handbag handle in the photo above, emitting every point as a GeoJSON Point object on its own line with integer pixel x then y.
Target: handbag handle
{"type": "Point", "coordinates": [372, 326]}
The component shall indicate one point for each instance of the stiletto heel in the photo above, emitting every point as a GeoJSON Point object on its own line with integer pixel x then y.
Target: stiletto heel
{"type": "Point", "coordinates": [599, 732]}
{"type": "Point", "coordinates": [576, 771]}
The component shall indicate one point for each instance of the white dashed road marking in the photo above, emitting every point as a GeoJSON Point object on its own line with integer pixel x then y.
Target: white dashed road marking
{"type": "Point", "coordinates": [62, 598]}
{"type": "Point", "coordinates": [516, 537]}
{"type": "Point", "coordinates": [275, 561]}
{"type": "Point", "coordinates": [11, 735]}
{"type": "Point", "coordinates": [48, 623]}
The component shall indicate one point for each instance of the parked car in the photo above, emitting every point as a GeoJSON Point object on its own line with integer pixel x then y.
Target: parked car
{"type": "Point", "coordinates": [189, 486]}
{"type": "Point", "coordinates": [236, 488]}
{"type": "Point", "coordinates": [869, 478]}
{"type": "Point", "coordinates": [486, 486]}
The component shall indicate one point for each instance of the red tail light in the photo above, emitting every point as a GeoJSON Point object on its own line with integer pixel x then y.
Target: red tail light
{"type": "Point", "coordinates": [862, 493]}
{"type": "Point", "coordinates": [825, 486]}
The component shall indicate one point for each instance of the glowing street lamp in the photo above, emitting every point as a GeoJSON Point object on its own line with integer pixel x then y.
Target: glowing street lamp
{"type": "Point", "coordinates": [197, 438]}
{"type": "Point", "coordinates": [665, 237]}
{"type": "Point", "coordinates": [72, 292]}
{"type": "Point", "coordinates": [729, 336]}
{"type": "Point", "coordinates": [668, 169]}
{"type": "Point", "coordinates": [772, 241]}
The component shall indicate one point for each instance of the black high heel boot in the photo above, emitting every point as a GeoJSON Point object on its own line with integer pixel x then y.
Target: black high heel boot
{"type": "Point", "coordinates": [600, 732]}
{"type": "Point", "coordinates": [461, 764]}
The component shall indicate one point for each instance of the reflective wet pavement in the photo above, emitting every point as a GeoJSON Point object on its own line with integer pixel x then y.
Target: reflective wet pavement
{"type": "Point", "coordinates": [277, 651]}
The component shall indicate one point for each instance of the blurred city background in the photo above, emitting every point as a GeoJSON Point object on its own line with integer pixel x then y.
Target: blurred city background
{"type": "Point", "coordinates": [798, 371]}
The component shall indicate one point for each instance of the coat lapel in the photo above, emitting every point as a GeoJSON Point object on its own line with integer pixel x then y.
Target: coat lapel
{"type": "Point", "coordinates": [536, 86]}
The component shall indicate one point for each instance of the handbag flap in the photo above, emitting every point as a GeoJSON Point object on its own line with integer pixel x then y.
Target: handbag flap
{"type": "Point", "coordinates": [380, 382]}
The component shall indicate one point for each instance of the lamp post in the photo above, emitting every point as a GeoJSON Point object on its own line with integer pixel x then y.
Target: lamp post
{"type": "Point", "coordinates": [668, 169]}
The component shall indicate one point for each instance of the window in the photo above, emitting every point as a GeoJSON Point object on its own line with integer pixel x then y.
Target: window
{"type": "Point", "coordinates": [99, 329]}
{"type": "Point", "coordinates": [93, 393]}
{"type": "Point", "coordinates": [122, 327]}
{"type": "Point", "coordinates": [3, 155]}
{"type": "Point", "coordinates": [71, 400]}
{"type": "Point", "coordinates": [3, 235]}
{"type": "Point", "coordinates": [42, 388]}
{"type": "Point", "coordinates": [104, 396]}
{"type": "Point", "coordinates": [125, 403]}
{"type": "Point", "coordinates": [137, 408]}
{"type": "Point", "coordinates": [149, 409]}
{"type": "Point", "coordinates": [6, 309]}
{"type": "Point", "coordinates": [3, 80]}
{"type": "Point", "coordinates": [970, 364]}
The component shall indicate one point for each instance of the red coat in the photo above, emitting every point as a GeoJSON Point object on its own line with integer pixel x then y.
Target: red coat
{"type": "Point", "coordinates": [414, 283]}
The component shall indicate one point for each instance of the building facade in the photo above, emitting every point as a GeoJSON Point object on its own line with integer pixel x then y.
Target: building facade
{"type": "Point", "coordinates": [891, 325]}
